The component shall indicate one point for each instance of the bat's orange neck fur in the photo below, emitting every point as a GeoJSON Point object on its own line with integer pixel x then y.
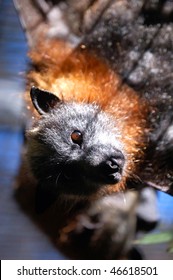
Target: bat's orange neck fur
{"type": "Point", "coordinates": [83, 77]}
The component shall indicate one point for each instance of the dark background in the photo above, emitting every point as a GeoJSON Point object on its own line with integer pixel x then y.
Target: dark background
{"type": "Point", "coordinates": [19, 237]}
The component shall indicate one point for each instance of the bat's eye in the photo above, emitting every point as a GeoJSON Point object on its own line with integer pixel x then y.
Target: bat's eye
{"type": "Point", "coordinates": [77, 137]}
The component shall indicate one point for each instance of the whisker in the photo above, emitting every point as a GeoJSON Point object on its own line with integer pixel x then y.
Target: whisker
{"type": "Point", "coordinates": [124, 197]}
{"type": "Point", "coordinates": [57, 178]}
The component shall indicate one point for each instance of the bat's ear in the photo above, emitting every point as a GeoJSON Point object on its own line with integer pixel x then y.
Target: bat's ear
{"type": "Point", "coordinates": [43, 101]}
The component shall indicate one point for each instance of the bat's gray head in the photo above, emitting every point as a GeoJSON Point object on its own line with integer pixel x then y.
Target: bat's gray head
{"type": "Point", "coordinates": [74, 148]}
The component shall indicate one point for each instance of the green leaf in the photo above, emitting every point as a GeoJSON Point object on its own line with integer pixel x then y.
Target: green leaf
{"type": "Point", "coordinates": [154, 238]}
{"type": "Point", "coordinates": [170, 249]}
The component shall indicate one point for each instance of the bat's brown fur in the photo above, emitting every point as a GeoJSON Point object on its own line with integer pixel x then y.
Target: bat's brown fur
{"type": "Point", "coordinates": [81, 76]}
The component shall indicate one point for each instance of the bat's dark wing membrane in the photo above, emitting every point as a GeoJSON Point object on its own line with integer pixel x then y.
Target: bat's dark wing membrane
{"type": "Point", "coordinates": [64, 19]}
{"type": "Point", "coordinates": [136, 38]}
{"type": "Point", "coordinates": [44, 18]}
